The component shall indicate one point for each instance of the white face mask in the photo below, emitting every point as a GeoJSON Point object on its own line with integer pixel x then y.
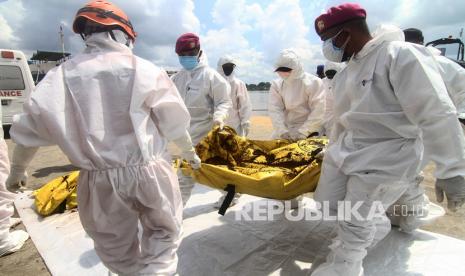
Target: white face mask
{"type": "Point", "coordinates": [284, 75]}
{"type": "Point", "coordinates": [331, 52]}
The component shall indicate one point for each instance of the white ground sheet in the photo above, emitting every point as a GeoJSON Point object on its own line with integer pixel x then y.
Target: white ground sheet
{"type": "Point", "coordinates": [217, 245]}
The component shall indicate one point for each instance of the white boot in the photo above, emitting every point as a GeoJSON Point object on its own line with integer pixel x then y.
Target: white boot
{"type": "Point", "coordinates": [15, 241]}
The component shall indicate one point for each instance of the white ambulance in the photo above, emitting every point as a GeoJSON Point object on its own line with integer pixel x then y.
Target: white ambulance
{"type": "Point", "coordinates": [15, 83]}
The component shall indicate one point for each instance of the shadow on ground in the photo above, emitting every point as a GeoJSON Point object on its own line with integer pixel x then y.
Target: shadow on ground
{"type": "Point", "coordinates": [43, 172]}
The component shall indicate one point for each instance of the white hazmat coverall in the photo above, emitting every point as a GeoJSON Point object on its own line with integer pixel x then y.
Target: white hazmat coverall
{"type": "Point", "coordinates": [241, 110]}
{"type": "Point", "coordinates": [453, 76]}
{"type": "Point", "coordinates": [329, 98]}
{"type": "Point", "coordinates": [389, 103]}
{"type": "Point", "coordinates": [9, 241]}
{"type": "Point", "coordinates": [112, 113]}
{"type": "Point", "coordinates": [207, 97]}
{"type": "Point", "coordinates": [296, 104]}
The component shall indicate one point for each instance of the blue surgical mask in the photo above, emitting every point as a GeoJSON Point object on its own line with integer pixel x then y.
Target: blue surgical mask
{"type": "Point", "coordinates": [331, 52]}
{"type": "Point", "coordinates": [189, 62]}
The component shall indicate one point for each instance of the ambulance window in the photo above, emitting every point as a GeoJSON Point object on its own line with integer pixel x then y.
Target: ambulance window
{"type": "Point", "coordinates": [11, 78]}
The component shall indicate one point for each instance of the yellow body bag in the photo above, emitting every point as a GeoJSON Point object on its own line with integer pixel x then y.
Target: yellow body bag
{"type": "Point", "coordinates": [58, 194]}
{"type": "Point", "coordinates": [277, 169]}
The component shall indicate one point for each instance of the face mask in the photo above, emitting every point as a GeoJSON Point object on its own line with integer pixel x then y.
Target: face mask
{"type": "Point", "coordinates": [228, 69]}
{"type": "Point", "coordinates": [331, 52]}
{"type": "Point", "coordinates": [189, 62]}
{"type": "Point", "coordinates": [284, 75]}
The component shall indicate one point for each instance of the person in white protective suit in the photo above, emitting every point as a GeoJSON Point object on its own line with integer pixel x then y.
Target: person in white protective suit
{"type": "Point", "coordinates": [205, 93]}
{"type": "Point", "coordinates": [13, 241]}
{"type": "Point", "coordinates": [331, 69]}
{"type": "Point", "coordinates": [241, 109]}
{"type": "Point", "coordinates": [452, 73]}
{"type": "Point", "coordinates": [112, 113]}
{"type": "Point", "coordinates": [296, 101]}
{"type": "Point", "coordinates": [453, 76]}
{"type": "Point", "coordinates": [389, 104]}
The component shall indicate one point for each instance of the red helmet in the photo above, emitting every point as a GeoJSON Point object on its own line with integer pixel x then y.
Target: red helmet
{"type": "Point", "coordinates": [103, 13]}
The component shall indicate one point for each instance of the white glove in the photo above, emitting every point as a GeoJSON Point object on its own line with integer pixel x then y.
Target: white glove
{"type": "Point", "coordinates": [192, 158]}
{"type": "Point", "coordinates": [17, 179]}
{"type": "Point", "coordinates": [22, 156]}
{"type": "Point", "coordinates": [454, 188]}
{"type": "Point", "coordinates": [245, 128]}
{"type": "Point", "coordinates": [219, 122]}
{"type": "Point", "coordinates": [188, 152]}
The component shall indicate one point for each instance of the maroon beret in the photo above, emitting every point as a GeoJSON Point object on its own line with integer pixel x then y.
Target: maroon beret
{"type": "Point", "coordinates": [338, 15]}
{"type": "Point", "coordinates": [187, 42]}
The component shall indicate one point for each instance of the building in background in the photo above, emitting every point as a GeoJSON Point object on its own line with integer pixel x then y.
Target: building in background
{"type": "Point", "coordinates": [43, 61]}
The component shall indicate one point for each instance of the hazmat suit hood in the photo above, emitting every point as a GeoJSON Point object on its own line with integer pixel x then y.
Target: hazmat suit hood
{"type": "Point", "coordinates": [384, 33]}
{"type": "Point", "coordinates": [289, 58]}
{"type": "Point", "coordinates": [222, 61]}
{"type": "Point", "coordinates": [203, 60]}
{"type": "Point", "coordinates": [98, 42]}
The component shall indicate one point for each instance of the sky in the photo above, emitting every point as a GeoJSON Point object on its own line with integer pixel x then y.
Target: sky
{"type": "Point", "coordinates": [252, 32]}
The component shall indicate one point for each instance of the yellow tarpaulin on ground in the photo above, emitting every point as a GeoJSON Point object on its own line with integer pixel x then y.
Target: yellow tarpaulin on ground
{"type": "Point", "coordinates": [278, 169]}
{"type": "Point", "coordinates": [58, 194]}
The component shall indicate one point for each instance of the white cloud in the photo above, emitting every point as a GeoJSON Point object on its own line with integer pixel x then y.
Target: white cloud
{"type": "Point", "coordinates": [230, 39]}
{"type": "Point", "coordinates": [276, 26]}
{"type": "Point", "coordinates": [6, 39]}
{"type": "Point", "coordinates": [10, 16]}
{"type": "Point", "coordinates": [283, 26]}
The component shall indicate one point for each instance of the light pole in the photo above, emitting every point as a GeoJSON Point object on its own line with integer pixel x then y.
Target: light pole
{"type": "Point", "coordinates": [62, 38]}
